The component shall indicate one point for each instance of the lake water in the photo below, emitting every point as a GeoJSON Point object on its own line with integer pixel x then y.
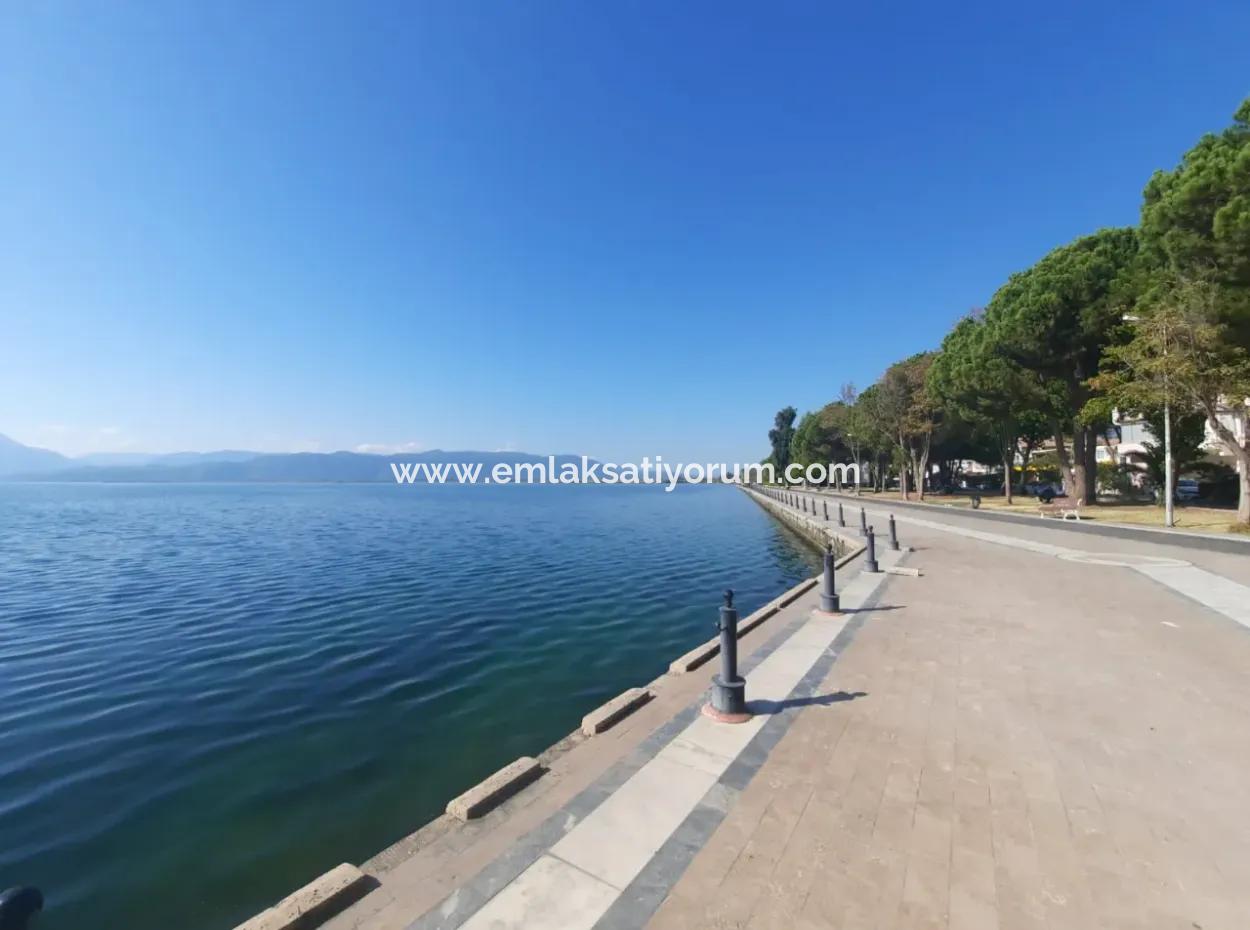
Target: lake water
{"type": "Point", "coordinates": [211, 694]}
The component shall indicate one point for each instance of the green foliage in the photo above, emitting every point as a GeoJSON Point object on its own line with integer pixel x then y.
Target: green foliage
{"type": "Point", "coordinates": [974, 380]}
{"type": "Point", "coordinates": [1195, 219]}
{"type": "Point", "coordinates": [1180, 352]}
{"type": "Point", "coordinates": [818, 438]}
{"type": "Point", "coordinates": [1114, 478]}
{"type": "Point", "coordinates": [910, 413]}
{"type": "Point", "coordinates": [909, 410]}
{"type": "Point", "coordinates": [1052, 355]}
{"type": "Point", "coordinates": [1188, 432]}
{"type": "Point", "coordinates": [781, 436]}
{"type": "Point", "coordinates": [1054, 319]}
{"type": "Point", "coordinates": [866, 423]}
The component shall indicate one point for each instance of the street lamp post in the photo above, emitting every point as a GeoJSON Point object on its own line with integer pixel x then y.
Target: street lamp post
{"type": "Point", "coordinates": [1169, 514]}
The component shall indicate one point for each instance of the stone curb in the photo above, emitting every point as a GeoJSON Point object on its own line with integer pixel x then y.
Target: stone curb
{"type": "Point", "coordinates": [614, 711]}
{"type": "Point", "coordinates": [818, 532]}
{"type": "Point", "coordinates": [489, 794]}
{"type": "Point", "coordinates": [313, 904]}
{"type": "Point", "coordinates": [702, 653]}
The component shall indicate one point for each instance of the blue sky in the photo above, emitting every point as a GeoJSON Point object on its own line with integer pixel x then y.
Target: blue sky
{"type": "Point", "coordinates": [619, 229]}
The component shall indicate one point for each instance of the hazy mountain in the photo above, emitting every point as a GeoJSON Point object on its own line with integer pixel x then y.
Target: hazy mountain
{"type": "Point", "coordinates": [15, 457]}
{"type": "Point", "coordinates": [257, 467]}
{"type": "Point", "coordinates": [165, 458]}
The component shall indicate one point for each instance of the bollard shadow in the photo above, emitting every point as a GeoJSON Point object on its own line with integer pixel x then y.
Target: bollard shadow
{"type": "Point", "coordinates": [872, 610]}
{"type": "Point", "coordinates": [815, 700]}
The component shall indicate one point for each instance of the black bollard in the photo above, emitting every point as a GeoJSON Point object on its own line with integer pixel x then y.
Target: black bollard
{"type": "Point", "coordinates": [893, 534]}
{"type": "Point", "coordinates": [826, 505]}
{"type": "Point", "coordinates": [870, 564]}
{"type": "Point", "coordinates": [729, 692]}
{"type": "Point", "coordinates": [18, 906]}
{"type": "Point", "coordinates": [828, 593]}
{"type": "Point", "coordinates": [841, 518]}
{"type": "Point", "coordinates": [863, 522]}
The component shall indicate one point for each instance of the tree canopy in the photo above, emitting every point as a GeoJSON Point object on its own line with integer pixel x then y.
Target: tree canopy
{"type": "Point", "coordinates": [1124, 318]}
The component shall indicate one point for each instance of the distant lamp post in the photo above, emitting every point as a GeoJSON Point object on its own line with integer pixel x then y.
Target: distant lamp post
{"type": "Point", "coordinates": [1169, 513]}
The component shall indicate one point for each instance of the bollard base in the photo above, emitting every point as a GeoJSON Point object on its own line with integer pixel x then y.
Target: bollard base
{"type": "Point", "coordinates": [829, 604]}
{"type": "Point", "coordinates": [729, 701]}
{"type": "Point", "coordinates": [722, 717]}
{"type": "Point", "coordinates": [872, 567]}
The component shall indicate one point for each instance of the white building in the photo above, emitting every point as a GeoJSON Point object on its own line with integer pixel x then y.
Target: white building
{"type": "Point", "coordinates": [1134, 434]}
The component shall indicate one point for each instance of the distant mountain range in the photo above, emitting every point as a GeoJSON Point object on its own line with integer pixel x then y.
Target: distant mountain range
{"type": "Point", "coordinates": [26, 463]}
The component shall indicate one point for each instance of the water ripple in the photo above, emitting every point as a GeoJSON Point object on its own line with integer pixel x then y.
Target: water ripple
{"type": "Point", "coordinates": [210, 694]}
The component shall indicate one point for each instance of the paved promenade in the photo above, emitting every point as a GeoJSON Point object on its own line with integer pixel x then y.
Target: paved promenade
{"type": "Point", "coordinates": [1027, 736]}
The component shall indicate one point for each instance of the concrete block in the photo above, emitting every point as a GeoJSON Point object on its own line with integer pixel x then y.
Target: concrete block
{"type": "Point", "coordinates": [614, 711]}
{"type": "Point", "coordinates": [316, 902]}
{"type": "Point", "coordinates": [489, 794]}
{"type": "Point", "coordinates": [695, 657]}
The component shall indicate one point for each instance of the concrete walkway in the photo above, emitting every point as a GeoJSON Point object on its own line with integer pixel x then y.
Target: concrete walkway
{"type": "Point", "coordinates": [1040, 743]}
{"type": "Point", "coordinates": [1026, 736]}
{"type": "Point", "coordinates": [1220, 587]}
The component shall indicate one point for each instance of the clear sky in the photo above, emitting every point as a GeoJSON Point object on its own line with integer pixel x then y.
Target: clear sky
{"type": "Point", "coordinates": [614, 228]}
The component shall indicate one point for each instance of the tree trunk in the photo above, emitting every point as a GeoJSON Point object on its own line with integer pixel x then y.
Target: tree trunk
{"type": "Point", "coordinates": [1065, 461]}
{"type": "Point", "coordinates": [1079, 471]}
{"type": "Point", "coordinates": [902, 470]}
{"type": "Point", "coordinates": [1082, 466]}
{"type": "Point", "coordinates": [1090, 491]}
{"type": "Point", "coordinates": [921, 461]}
{"type": "Point", "coordinates": [1024, 464]}
{"type": "Point", "coordinates": [1009, 458]}
{"type": "Point", "coordinates": [1241, 453]}
{"type": "Point", "coordinates": [1243, 498]}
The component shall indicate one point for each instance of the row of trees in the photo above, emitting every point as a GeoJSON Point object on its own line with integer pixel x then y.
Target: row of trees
{"type": "Point", "coordinates": [1127, 318]}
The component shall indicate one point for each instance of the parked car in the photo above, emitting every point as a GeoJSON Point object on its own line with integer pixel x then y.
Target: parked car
{"type": "Point", "coordinates": [1047, 490]}
{"type": "Point", "coordinates": [1187, 490]}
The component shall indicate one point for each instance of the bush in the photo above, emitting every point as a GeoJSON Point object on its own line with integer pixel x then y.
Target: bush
{"type": "Point", "coordinates": [1115, 479]}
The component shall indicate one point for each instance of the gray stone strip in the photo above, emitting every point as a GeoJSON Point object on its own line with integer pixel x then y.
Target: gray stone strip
{"type": "Point", "coordinates": [1190, 596]}
{"type": "Point", "coordinates": [647, 892]}
{"type": "Point", "coordinates": [470, 897]}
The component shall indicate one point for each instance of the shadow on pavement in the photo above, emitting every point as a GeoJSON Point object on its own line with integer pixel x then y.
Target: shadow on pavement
{"type": "Point", "coordinates": [815, 700]}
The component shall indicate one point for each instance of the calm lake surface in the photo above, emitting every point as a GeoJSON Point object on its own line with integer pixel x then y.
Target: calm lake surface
{"type": "Point", "coordinates": [211, 694]}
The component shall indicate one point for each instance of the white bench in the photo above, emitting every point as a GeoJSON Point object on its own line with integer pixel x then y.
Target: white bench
{"type": "Point", "coordinates": [1061, 511]}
